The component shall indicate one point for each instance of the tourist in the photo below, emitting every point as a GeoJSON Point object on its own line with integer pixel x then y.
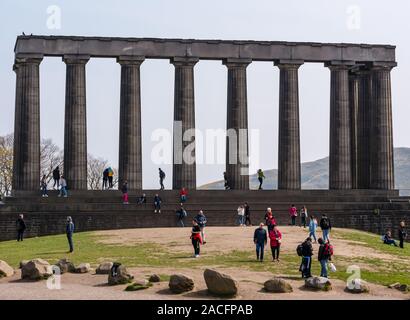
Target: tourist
{"type": "Point", "coordinates": [241, 215]}
{"type": "Point", "coordinates": [56, 178]}
{"type": "Point", "coordinates": [324, 256]}
{"type": "Point", "coordinates": [293, 212]}
{"type": "Point", "coordinates": [196, 238]}
{"type": "Point", "coordinates": [201, 220]}
{"type": "Point", "coordinates": [326, 226]}
{"type": "Point", "coordinates": [21, 227]}
{"type": "Point", "coordinates": [161, 178]}
{"type": "Point", "coordinates": [270, 220]}
{"type": "Point", "coordinates": [142, 199]}
{"type": "Point", "coordinates": [260, 239]}
{"type": "Point", "coordinates": [268, 213]}
{"type": "Point", "coordinates": [69, 231]}
{"type": "Point", "coordinates": [312, 227]}
{"type": "Point", "coordinates": [110, 177]}
{"type": "Point", "coordinates": [157, 203]}
{"type": "Point", "coordinates": [306, 251]}
{"type": "Point", "coordinates": [387, 239]}
{"type": "Point", "coordinates": [181, 215]}
{"type": "Point", "coordinates": [183, 195]}
{"type": "Point", "coordinates": [261, 176]}
{"type": "Point", "coordinates": [247, 214]}
{"type": "Point", "coordinates": [402, 233]}
{"type": "Point", "coordinates": [105, 179]}
{"type": "Point", "coordinates": [303, 216]}
{"type": "Point", "coordinates": [63, 187]}
{"type": "Point", "coordinates": [124, 190]}
{"type": "Point", "coordinates": [43, 185]}
{"type": "Point", "coordinates": [226, 182]}
{"type": "Point", "coordinates": [275, 237]}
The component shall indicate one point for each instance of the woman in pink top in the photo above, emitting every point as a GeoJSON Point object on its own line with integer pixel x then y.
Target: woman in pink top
{"type": "Point", "coordinates": [293, 212]}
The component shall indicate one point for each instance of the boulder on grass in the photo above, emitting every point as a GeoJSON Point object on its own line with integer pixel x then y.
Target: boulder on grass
{"type": "Point", "coordinates": [104, 268]}
{"type": "Point", "coordinates": [36, 269]}
{"type": "Point", "coordinates": [23, 263]}
{"type": "Point", "coordinates": [82, 268]}
{"type": "Point", "coordinates": [220, 284]}
{"type": "Point", "coordinates": [277, 285]}
{"type": "Point", "coordinates": [5, 269]}
{"type": "Point", "coordinates": [154, 278]}
{"type": "Point", "coordinates": [65, 265]}
{"type": "Point", "coordinates": [318, 283]}
{"type": "Point", "coordinates": [179, 283]}
{"type": "Point", "coordinates": [404, 288]}
{"type": "Point", "coordinates": [119, 275]}
{"type": "Point", "coordinates": [358, 286]}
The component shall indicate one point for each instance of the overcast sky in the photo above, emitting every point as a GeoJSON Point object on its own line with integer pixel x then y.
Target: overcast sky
{"type": "Point", "coordinates": [365, 21]}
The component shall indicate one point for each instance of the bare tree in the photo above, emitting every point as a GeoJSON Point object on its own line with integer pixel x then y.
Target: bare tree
{"type": "Point", "coordinates": [6, 164]}
{"type": "Point", "coordinates": [50, 157]}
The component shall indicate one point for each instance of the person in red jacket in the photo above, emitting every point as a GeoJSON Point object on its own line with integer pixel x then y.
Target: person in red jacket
{"type": "Point", "coordinates": [270, 220]}
{"type": "Point", "coordinates": [183, 195]}
{"type": "Point", "coordinates": [275, 237]}
{"type": "Point", "coordinates": [293, 212]}
{"type": "Point", "coordinates": [196, 238]}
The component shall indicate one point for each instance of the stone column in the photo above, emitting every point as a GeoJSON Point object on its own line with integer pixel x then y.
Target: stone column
{"type": "Point", "coordinates": [289, 177]}
{"type": "Point", "coordinates": [381, 160]}
{"type": "Point", "coordinates": [340, 174]}
{"type": "Point", "coordinates": [354, 82]}
{"type": "Point", "coordinates": [26, 153]}
{"type": "Point", "coordinates": [184, 164]}
{"type": "Point", "coordinates": [237, 159]}
{"type": "Point", "coordinates": [75, 125]}
{"type": "Point", "coordinates": [130, 161]}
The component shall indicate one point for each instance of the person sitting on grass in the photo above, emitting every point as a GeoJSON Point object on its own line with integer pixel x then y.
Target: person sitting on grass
{"type": "Point", "coordinates": [196, 238]}
{"type": "Point", "coordinates": [387, 239]}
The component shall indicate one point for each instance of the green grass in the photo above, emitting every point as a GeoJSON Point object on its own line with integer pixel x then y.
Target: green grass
{"type": "Point", "coordinates": [88, 249]}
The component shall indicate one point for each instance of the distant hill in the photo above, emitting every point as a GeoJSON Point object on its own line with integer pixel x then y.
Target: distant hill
{"type": "Point", "coordinates": [315, 174]}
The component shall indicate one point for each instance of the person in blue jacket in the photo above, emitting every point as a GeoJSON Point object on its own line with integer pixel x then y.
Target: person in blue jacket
{"type": "Point", "coordinates": [69, 231]}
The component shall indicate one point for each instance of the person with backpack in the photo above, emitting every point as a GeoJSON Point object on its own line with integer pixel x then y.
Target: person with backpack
{"type": "Point", "coordinates": [326, 226]}
{"type": "Point", "coordinates": [196, 238]}
{"type": "Point", "coordinates": [260, 239]}
{"type": "Point", "coordinates": [241, 215]}
{"type": "Point", "coordinates": [201, 221]}
{"type": "Point", "coordinates": [275, 237]}
{"type": "Point", "coordinates": [43, 185]}
{"type": "Point", "coordinates": [303, 216]}
{"type": "Point", "coordinates": [312, 227]}
{"type": "Point", "coordinates": [226, 182]}
{"type": "Point", "coordinates": [247, 214]}
{"type": "Point", "coordinates": [183, 195]}
{"type": "Point", "coordinates": [63, 187]}
{"type": "Point", "coordinates": [157, 203]}
{"type": "Point", "coordinates": [69, 231]}
{"type": "Point", "coordinates": [56, 178]}
{"type": "Point", "coordinates": [293, 212]}
{"type": "Point", "coordinates": [402, 233]}
{"type": "Point", "coordinates": [305, 250]}
{"type": "Point", "coordinates": [105, 179]}
{"type": "Point", "coordinates": [21, 227]}
{"type": "Point", "coordinates": [324, 256]}
{"type": "Point", "coordinates": [261, 176]}
{"type": "Point", "coordinates": [161, 179]}
{"type": "Point", "coordinates": [110, 178]}
{"type": "Point", "coordinates": [124, 190]}
{"type": "Point", "coordinates": [181, 215]}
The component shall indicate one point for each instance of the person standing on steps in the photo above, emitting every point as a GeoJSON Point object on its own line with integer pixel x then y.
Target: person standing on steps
{"type": "Point", "coordinates": [275, 237]}
{"type": "Point", "coordinates": [124, 190]}
{"type": "Point", "coordinates": [56, 178]}
{"type": "Point", "coordinates": [196, 238]}
{"type": "Point", "coordinates": [226, 182]}
{"type": "Point", "coordinates": [303, 216]}
{"type": "Point", "coordinates": [326, 226]}
{"type": "Point", "coordinates": [293, 212]}
{"type": "Point", "coordinates": [261, 176]}
{"type": "Point", "coordinates": [312, 227]}
{"type": "Point", "coordinates": [105, 179]}
{"type": "Point", "coordinates": [157, 203]}
{"type": "Point", "coordinates": [161, 178]}
{"type": "Point", "coordinates": [201, 220]}
{"type": "Point", "coordinates": [21, 227]}
{"type": "Point", "coordinates": [110, 178]}
{"type": "Point", "coordinates": [69, 231]}
{"type": "Point", "coordinates": [43, 185]}
{"type": "Point", "coordinates": [63, 187]}
{"type": "Point", "coordinates": [305, 250]}
{"type": "Point", "coordinates": [260, 239]}
{"type": "Point", "coordinates": [402, 233]}
{"type": "Point", "coordinates": [247, 214]}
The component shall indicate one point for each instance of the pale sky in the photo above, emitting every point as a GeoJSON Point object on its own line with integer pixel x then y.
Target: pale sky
{"type": "Point", "coordinates": [357, 21]}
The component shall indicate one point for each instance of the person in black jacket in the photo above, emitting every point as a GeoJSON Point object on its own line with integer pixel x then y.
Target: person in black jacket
{"type": "Point", "coordinates": [260, 239]}
{"type": "Point", "coordinates": [69, 231]}
{"type": "Point", "coordinates": [323, 257]}
{"type": "Point", "coordinates": [402, 233]}
{"type": "Point", "coordinates": [21, 227]}
{"type": "Point", "coordinates": [307, 253]}
{"type": "Point", "coordinates": [161, 178]}
{"type": "Point", "coordinates": [326, 226]}
{"type": "Point", "coordinates": [56, 177]}
{"type": "Point", "coordinates": [247, 214]}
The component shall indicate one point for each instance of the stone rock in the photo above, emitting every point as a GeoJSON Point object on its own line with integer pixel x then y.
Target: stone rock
{"type": "Point", "coordinates": [36, 269]}
{"type": "Point", "coordinates": [119, 275]}
{"type": "Point", "coordinates": [154, 278]}
{"type": "Point", "coordinates": [5, 269]}
{"type": "Point", "coordinates": [220, 284]}
{"type": "Point", "coordinates": [395, 285]}
{"type": "Point", "coordinates": [318, 283]}
{"type": "Point", "coordinates": [142, 282]}
{"type": "Point", "coordinates": [179, 283]}
{"type": "Point", "coordinates": [277, 285]}
{"type": "Point", "coordinates": [23, 263]}
{"type": "Point", "coordinates": [82, 268]}
{"type": "Point", "coordinates": [358, 286]}
{"type": "Point", "coordinates": [136, 286]}
{"type": "Point", "coordinates": [104, 268]}
{"type": "Point", "coordinates": [65, 265]}
{"type": "Point", "coordinates": [404, 288]}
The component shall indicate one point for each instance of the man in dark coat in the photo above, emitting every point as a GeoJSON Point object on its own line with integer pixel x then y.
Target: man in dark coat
{"type": "Point", "coordinates": [21, 227]}
{"type": "Point", "coordinates": [69, 232]}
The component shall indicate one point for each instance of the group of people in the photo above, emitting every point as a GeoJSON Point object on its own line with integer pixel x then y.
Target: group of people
{"type": "Point", "coordinates": [59, 183]}
{"type": "Point", "coordinates": [388, 239]}
{"type": "Point", "coordinates": [244, 215]}
{"type": "Point", "coordinates": [108, 178]}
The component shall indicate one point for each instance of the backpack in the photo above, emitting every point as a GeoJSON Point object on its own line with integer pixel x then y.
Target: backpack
{"type": "Point", "coordinates": [328, 250]}
{"type": "Point", "coordinates": [299, 250]}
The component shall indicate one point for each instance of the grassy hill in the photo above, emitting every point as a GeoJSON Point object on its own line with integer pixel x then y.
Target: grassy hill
{"type": "Point", "coordinates": [315, 174]}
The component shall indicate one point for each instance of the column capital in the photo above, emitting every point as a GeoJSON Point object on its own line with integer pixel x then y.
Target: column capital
{"type": "Point", "coordinates": [76, 58]}
{"type": "Point", "coordinates": [184, 61]}
{"type": "Point", "coordinates": [288, 64]}
{"type": "Point", "coordinates": [382, 65]}
{"type": "Point", "coordinates": [30, 58]}
{"type": "Point", "coordinates": [339, 64]}
{"type": "Point", "coordinates": [236, 62]}
{"type": "Point", "coordinates": [130, 60]}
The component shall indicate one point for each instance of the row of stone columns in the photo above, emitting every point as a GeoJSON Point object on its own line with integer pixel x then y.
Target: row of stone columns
{"type": "Point", "coordinates": [361, 147]}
